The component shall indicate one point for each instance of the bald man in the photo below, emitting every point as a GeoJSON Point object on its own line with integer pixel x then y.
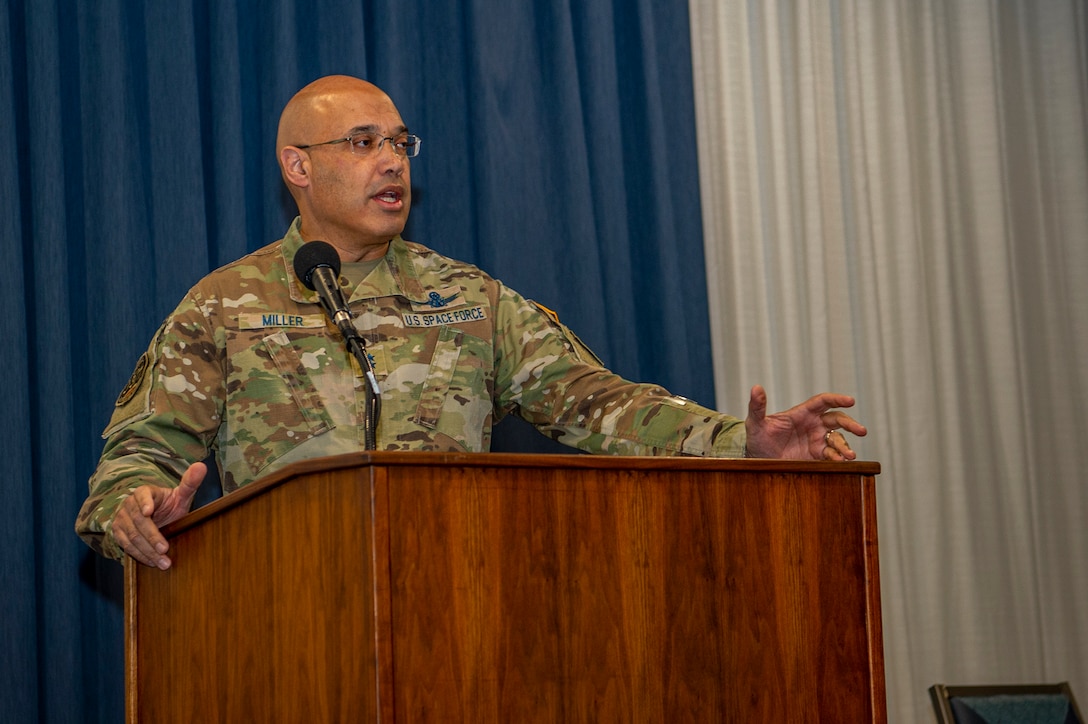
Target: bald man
{"type": "Point", "coordinates": [249, 366]}
{"type": "Point", "coordinates": [358, 203]}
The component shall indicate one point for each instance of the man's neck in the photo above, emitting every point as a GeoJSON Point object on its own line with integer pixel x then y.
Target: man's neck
{"type": "Point", "coordinates": [351, 250]}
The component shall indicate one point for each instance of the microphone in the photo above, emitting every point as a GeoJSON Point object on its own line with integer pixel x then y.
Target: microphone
{"type": "Point", "coordinates": [317, 266]}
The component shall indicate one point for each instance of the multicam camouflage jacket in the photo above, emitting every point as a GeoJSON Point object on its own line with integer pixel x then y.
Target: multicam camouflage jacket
{"type": "Point", "coordinates": [249, 367]}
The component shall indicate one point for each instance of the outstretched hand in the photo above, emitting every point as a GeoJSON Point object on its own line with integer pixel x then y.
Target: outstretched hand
{"type": "Point", "coordinates": [809, 431]}
{"type": "Point", "coordinates": [150, 507]}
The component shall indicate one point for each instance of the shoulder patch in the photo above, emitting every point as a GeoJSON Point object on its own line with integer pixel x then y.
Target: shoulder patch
{"type": "Point", "coordinates": [581, 350]}
{"type": "Point", "coordinates": [133, 384]}
{"type": "Point", "coordinates": [552, 315]}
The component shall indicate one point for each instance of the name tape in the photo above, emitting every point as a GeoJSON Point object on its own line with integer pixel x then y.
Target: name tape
{"type": "Point", "coordinates": [273, 319]}
{"type": "Point", "coordinates": [436, 319]}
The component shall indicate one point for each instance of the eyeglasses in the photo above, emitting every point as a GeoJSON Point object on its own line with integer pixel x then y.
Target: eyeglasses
{"type": "Point", "coordinates": [370, 144]}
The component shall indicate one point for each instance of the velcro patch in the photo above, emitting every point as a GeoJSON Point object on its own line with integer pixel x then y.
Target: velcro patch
{"type": "Point", "coordinates": [440, 299]}
{"type": "Point", "coordinates": [134, 381]}
{"type": "Point", "coordinates": [552, 315]}
{"type": "Point", "coordinates": [279, 319]}
{"type": "Point", "coordinates": [444, 317]}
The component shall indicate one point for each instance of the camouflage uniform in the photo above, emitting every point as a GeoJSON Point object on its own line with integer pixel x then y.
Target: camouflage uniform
{"type": "Point", "coordinates": [249, 367]}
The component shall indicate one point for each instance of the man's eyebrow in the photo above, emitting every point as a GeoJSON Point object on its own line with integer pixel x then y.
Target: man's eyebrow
{"type": "Point", "coordinates": [372, 128]}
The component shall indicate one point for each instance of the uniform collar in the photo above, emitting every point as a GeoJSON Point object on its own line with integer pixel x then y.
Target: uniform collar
{"type": "Point", "coordinates": [397, 274]}
{"type": "Point", "coordinates": [292, 242]}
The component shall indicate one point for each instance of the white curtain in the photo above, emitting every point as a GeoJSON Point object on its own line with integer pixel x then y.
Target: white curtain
{"type": "Point", "coordinates": [895, 205]}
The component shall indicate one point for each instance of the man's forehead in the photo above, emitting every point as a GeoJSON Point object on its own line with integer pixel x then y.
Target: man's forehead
{"type": "Point", "coordinates": [359, 111]}
{"type": "Point", "coordinates": [334, 106]}
{"type": "Point", "coordinates": [376, 128]}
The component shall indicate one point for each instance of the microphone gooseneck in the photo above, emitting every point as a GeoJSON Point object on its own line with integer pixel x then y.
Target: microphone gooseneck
{"type": "Point", "coordinates": [317, 266]}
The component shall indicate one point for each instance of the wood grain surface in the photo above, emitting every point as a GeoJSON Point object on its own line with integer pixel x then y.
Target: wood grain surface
{"type": "Point", "coordinates": [503, 588]}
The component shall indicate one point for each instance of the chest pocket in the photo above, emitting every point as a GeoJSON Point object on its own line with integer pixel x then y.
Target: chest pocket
{"type": "Point", "coordinates": [275, 401]}
{"type": "Point", "coordinates": [456, 395]}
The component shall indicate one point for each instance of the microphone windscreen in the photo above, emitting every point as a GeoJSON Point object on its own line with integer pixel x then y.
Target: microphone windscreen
{"type": "Point", "coordinates": [311, 256]}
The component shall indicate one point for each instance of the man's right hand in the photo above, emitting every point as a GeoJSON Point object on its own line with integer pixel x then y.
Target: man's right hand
{"type": "Point", "coordinates": [136, 525]}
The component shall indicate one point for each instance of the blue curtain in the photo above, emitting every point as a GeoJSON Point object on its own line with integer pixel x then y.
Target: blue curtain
{"type": "Point", "coordinates": [138, 154]}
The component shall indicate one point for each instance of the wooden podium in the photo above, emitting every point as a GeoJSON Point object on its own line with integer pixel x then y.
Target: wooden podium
{"type": "Point", "coordinates": [405, 587]}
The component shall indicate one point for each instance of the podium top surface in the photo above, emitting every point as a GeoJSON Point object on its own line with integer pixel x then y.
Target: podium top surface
{"type": "Point", "coordinates": [391, 459]}
{"type": "Point", "coordinates": [395, 458]}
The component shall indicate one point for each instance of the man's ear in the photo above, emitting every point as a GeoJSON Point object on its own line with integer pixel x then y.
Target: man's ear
{"type": "Point", "coordinates": [296, 166]}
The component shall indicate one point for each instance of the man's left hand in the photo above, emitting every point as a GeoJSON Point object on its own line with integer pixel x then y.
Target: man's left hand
{"type": "Point", "coordinates": [812, 430]}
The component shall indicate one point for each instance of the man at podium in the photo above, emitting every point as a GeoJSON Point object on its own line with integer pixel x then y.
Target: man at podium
{"type": "Point", "coordinates": [250, 366]}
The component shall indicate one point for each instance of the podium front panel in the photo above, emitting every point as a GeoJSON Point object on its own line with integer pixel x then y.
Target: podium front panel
{"type": "Point", "coordinates": [419, 587]}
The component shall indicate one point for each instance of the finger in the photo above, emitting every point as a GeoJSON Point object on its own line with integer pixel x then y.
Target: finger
{"type": "Point", "coordinates": [190, 483]}
{"type": "Point", "coordinates": [145, 526]}
{"type": "Point", "coordinates": [840, 446]}
{"type": "Point", "coordinates": [837, 447]}
{"type": "Point", "coordinates": [141, 502]}
{"type": "Point", "coordinates": [757, 404]}
{"type": "Point", "coordinates": [140, 526]}
{"type": "Point", "coordinates": [840, 457]}
{"type": "Point", "coordinates": [134, 543]}
{"type": "Point", "coordinates": [173, 503]}
{"type": "Point", "coordinates": [827, 401]}
{"type": "Point", "coordinates": [140, 554]}
{"type": "Point", "coordinates": [836, 419]}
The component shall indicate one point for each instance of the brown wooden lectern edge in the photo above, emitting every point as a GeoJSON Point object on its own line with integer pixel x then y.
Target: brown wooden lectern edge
{"type": "Point", "coordinates": [589, 462]}
{"type": "Point", "coordinates": [865, 469]}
